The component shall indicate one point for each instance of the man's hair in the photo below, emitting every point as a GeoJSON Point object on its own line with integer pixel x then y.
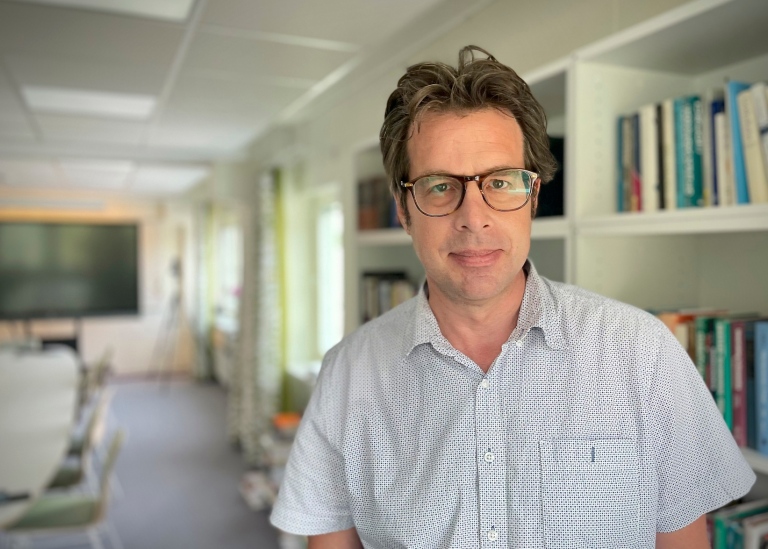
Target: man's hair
{"type": "Point", "coordinates": [476, 84]}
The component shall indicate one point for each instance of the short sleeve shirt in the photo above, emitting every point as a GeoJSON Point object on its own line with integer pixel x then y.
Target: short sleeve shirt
{"type": "Point", "coordinates": [591, 429]}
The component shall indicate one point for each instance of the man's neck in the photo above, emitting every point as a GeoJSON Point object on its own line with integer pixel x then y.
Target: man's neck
{"type": "Point", "coordinates": [479, 329]}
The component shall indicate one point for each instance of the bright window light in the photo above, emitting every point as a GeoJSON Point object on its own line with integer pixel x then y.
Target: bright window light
{"type": "Point", "coordinates": [92, 103]}
{"type": "Point", "coordinates": [330, 266]}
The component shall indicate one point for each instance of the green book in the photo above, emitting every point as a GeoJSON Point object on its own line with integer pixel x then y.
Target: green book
{"type": "Point", "coordinates": [722, 369]}
{"type": "Point", "coordinates": [724, 518]}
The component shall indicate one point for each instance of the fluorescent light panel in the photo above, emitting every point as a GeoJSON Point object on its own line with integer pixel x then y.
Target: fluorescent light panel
{"type": "Point", "coordinates": [167, 10]}
{"type": "Point", "coordinates": [167, 179]}
{"type": "Point", "coordinates": [87, 102]}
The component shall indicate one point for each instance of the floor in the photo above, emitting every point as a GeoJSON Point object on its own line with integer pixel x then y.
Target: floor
{"type": "Point", "coordinates": [178, 474]}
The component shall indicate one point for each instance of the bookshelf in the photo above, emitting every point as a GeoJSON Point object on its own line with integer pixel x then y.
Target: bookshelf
{"type": "Point", "coordinates": [696, 257]}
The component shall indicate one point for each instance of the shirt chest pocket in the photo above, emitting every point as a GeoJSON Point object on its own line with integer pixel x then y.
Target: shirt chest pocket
{"type": "Point", "coordinates": [590, 493]}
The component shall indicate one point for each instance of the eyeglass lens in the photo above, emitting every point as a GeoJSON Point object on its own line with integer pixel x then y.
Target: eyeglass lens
{"type": "Point", "coordinates": [440, 195]}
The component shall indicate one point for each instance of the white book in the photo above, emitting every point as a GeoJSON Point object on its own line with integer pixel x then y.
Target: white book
{"type": "Point", "coordinates": [754, 529]}
{"type": "Point", "coordinates": [725, 189]}
{"type": "Point", "coordinates": [760, 95]}
{"type": "Point", "coordinates": [649, 158]}
{"type": "Point", "coordinates": [757, 182]}
{"type": "Point", "coordinates": [670, 158]}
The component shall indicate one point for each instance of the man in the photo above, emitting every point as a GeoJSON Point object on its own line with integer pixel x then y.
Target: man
{"type": "Point", "coordinates": [497, 408]}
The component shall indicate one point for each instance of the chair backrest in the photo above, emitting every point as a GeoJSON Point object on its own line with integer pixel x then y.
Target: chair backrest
{"type": "Point", "coordinates": [106, 472]}
{"type": "Point", "coordinates": [95, 427]}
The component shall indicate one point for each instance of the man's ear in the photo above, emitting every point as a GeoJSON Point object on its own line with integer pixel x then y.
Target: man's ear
{"type": "Point", "coordinates": [535, 197]}
{"type": "Point", "coordinates": [403, 216]}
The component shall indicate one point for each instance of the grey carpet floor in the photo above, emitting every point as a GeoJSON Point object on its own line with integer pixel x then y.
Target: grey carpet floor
{"type": "Point", "coordinates": [178, 473]}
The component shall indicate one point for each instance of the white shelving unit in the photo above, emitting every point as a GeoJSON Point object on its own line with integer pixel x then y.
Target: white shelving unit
{"type": "Point", "coordinates": [703, 257]}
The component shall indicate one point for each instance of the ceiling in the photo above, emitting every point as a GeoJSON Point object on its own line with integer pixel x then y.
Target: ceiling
{"type": "Point", "coordinates": [141, 96]}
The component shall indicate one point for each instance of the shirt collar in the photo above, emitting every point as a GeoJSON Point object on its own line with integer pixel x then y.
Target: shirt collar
{"type": "Point", "coordinates": [539, 309]}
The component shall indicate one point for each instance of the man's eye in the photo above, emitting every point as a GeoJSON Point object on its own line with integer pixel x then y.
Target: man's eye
{"type": "Point", "coordinates": [440, 188]}
{"type": "Point", "coordinates": [499, 184]}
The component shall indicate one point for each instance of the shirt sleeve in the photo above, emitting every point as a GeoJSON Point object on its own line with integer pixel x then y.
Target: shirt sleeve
{"type": "Point", "coordinates": [313, 497]}
{"type": "Point", "coordinates": [699, 466]}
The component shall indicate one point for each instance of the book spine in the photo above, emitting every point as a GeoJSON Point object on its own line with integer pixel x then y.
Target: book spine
{"type": "Point", "coordinates": [649, 162]}
{"type": "Point", "coordinates": [723, 370]}
{"type": "Point", "coordinates": [620, 164]}
{"type": "Point", "coordinates": [717, 108]}
{"type": "Point", "coordinates": [697, 113]}
{"type": "Point", "coordinates": [732, 89]}
{"type": "Point", "coordinates": [636, 199]}
{"type": "Point", "coordinates": [681, 131]}
{"type": "Point", "coordinates": [749, 359]}
{"type": "Point", "coordinates": [760, 95]}
{"type": "Point", "coordinates": [753, 153]}
{"type": "Point", "coordinates": [660, 167]}
{"type": "Point", "coordinates": [761, 385]}
{"type": "Point", "coordinates": [738, 383]}
{"type": "Point", "coordinates": [670, 154]}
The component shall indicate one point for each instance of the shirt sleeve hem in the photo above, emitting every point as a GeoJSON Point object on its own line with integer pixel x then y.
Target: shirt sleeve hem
{"type": "Point", "coordinates": [302, 524]}
{"type": "Point", "coordinates": [687, 516]}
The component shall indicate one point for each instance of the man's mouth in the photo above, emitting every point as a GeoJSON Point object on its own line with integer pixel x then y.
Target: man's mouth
{"type": "Point", "coordinates": [476, 257]}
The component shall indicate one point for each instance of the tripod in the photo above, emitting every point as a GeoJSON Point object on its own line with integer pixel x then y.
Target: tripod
{"type": "Point", "coordinates": [167, 339]}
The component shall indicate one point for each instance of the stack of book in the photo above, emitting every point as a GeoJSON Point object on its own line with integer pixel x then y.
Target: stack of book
{"type": "Point", "coordinates": [695, 151]}
{"type": "Point", "coordinates": [383, 290]}
{"type": "Point", "coordinates": [731, 354]}
{"type": "Point", "coordinates": [739, 526]}
{"type": "Point", "coordinates": [375, 205]}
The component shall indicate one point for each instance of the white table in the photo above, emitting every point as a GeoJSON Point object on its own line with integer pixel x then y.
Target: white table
{"type": "Point", "coordinates": [38, 394]}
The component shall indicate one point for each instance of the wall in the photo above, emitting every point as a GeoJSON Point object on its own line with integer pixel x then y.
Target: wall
{"type": "Point", "coordinates": [166, 232]}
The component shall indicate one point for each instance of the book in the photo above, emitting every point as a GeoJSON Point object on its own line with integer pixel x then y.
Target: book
{"type": "Point", "coordinates": [761, 384]}
{"type": "Point", "coordinates": [721, 184]}
{"type": "Point", "coordinates": [760, 94]}
{"type": "Point", "coordinates": [620, 164]}
{"type": "Point", "coordinates": [707, 156]}
{"type": "Point", "coordinates": [754, 529]}
{"type": "Point", "coordinates": [757, 182]}
{"type": "Point", "coordinates": [636, 198]}
{"type": "Point", "coordinates": [688, 150]}
{"type": "Point", "coordinates": [722, 369]}
{"type": "Point", "coordinates": [705, 333]}
{"type": "Point", "coordinates": [725, 517]}
{"type": "Point", "coordinates": [669, 156]}
{"type": "Point", "coordinates": [660, 168]}
{"type": "Point", "coordinates": [739, 381]}
{"type": "Point", "coordinates": [749, 359]}
{"type": "Point", "coordinates": [649, 162]}
{"type": "Point", "coordinates": [732, 89]}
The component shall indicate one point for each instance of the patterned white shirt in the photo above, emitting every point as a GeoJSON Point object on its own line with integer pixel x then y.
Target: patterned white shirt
{"type": "Point", "coordinates": [591, 429]}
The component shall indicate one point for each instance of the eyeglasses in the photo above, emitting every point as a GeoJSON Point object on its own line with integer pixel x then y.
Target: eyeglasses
{"type": "Point", "coordinates": [441, 195]}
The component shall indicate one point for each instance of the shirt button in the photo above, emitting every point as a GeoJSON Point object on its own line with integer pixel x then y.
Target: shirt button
{"type": "Point", "coordinates": [484, 384]}
{"type": "Point", "coordinates": [489, 457]}
{"type": "Point", "coordinates": [493, 535]}
{"type": "Point", "coordinates": [519, 343]}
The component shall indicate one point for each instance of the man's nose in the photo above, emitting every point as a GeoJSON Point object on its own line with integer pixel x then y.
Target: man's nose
{"type": "Point", "coordinates": [474, 213]}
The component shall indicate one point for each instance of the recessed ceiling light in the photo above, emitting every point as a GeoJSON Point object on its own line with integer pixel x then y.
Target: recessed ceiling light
{"type": "Point", "coordinates": [168, 10]}
{"type": "Point", "coordinates": [88, 102]}
{"type": "Point", "coordinates": [167, 178]}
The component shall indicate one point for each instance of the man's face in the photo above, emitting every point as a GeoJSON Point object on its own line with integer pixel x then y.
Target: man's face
{"type": "Point", "coordinates": [475, 255]}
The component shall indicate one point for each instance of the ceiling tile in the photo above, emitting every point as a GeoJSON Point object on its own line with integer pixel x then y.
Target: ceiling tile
{"type": "Point", "coordinates": [57, 32]}
{"type": "Point", "coordinates": [63, 72]}
{"type": "Point", "coordinates": [91, 174]}
{"type": "Point", "coordinates": [254, 57]}
{"type": "Point", "coordinates": [219, 138]}
{"type": "Point", "coordinates": [363, 22]}
{"type": "Point", "coordinates": [241, 96]}
{"type": "Point", "coordinates": [173, 10]}
{"type": "Point", "coordinates": [64, 128]}
{"type": "Point", "coordinates": [28, 173]}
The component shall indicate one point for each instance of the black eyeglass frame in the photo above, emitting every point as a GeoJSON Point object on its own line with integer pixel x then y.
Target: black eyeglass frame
{"type": "Point", "coordinates": [465, 179]}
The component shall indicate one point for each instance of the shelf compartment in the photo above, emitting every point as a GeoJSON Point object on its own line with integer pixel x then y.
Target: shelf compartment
{"type": "Point", "coordinates": [383, 237]}
{"type": "Point", "coordinates": [726, 219]}
{"type": "Point", "coordinates": [756, 460]}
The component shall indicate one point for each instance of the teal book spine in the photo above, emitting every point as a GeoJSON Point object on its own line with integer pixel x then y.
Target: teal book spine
{"type": "Point", "coordinates": [723, 366]}
{"type": "Point", "coordinates": [696, 198]}
{"type": "Point", "coordinates": [732, 89]}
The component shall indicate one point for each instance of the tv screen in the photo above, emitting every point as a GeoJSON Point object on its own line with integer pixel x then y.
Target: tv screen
{"type": "Point", "coordinates": [68, 270]}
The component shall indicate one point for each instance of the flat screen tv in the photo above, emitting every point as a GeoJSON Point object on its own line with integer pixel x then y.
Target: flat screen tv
{"type": "Point", "coordinates": [57, 270]}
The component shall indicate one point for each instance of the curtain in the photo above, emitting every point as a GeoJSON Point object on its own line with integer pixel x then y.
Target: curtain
{"type": "Point", "coordinates": [256, 376]}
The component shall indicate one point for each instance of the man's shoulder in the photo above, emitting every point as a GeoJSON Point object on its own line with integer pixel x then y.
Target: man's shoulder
{"type": "Point", "coordinates": [386, 333]}
{"type": "Point", "coordinates": [578, 306]}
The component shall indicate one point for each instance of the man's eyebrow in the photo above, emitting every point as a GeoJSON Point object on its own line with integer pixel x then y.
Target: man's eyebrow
{"type": "Point", "coordinates": [488, 171]}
